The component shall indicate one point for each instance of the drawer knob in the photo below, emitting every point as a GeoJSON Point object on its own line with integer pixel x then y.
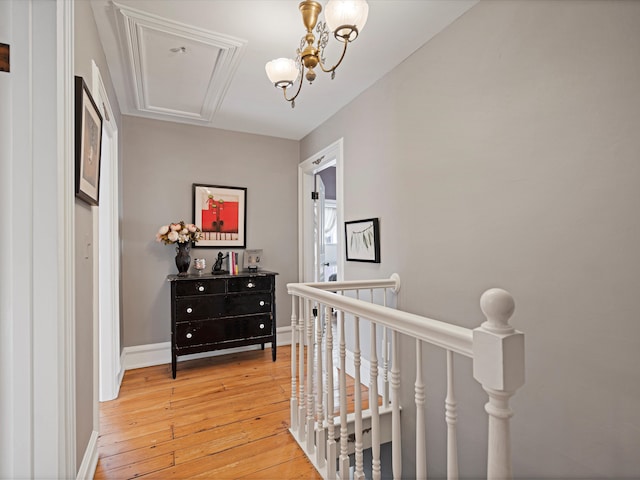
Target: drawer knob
{"type": "Point", "coordinates": [201, 288]}
{"type": "Point", "coordinates": [189, 335]}
{"type": "Point", "coordinates": [251, 285]}
{"type": "Point", "coordinates": [262, 303]}
{"type": "Point", "coordinates": [189, 310]}
{"type": "Point", "coordinates": [262, 325]}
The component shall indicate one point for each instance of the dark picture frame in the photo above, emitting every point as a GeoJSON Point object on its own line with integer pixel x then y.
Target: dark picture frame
{"type": "Point", "coordinates": [362, 240]}
{"type": "Point", "coordinates": [221, 213]}
{"type": "Point", "coordinates": [88, 144]}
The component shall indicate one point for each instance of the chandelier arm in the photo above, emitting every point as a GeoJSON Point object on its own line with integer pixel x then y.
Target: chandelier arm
{"type": "Point", "coordinates": [301, 76]}
{"type": "Point", "coordinates": [332, 69]}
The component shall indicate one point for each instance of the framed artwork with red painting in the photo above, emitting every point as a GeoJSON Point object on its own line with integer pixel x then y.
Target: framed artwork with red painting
{"type": "Point", "coordinates": [221, 213]}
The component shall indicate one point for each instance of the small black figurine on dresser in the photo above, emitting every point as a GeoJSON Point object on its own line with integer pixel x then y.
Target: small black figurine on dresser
{"type": "Point", "coordinates": [217, 267]}
{"type": "Point", "coordinates": [214, 312]}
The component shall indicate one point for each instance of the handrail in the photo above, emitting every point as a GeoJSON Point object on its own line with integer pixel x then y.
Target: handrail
{"type": "Point", "coordinates": [392, 282]}
{"type": "Point", "coordinates": [495, 347]}
{"type": "Point", "coordinates": [436, 332]}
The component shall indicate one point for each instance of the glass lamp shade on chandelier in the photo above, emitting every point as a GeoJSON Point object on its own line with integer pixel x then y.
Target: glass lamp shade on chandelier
{"type": "Point", "coordinates": [345, 18]}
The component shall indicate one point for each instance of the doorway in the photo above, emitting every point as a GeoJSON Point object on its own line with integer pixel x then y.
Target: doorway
{"type": "Point", "coordinates": [320, 190]}
{"type": "Point", "coordinates": [326, 225]}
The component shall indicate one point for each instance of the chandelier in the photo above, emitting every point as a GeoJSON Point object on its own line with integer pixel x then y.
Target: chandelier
{"type": "Point", "coordinates": [345, 18]}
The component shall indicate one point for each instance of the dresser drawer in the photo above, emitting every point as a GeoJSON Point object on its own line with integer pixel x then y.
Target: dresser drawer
{"type": "Point", "coordinates": [190, 334]}
{"type": "Point", "coordinates": [249, 284]}
{"type": "Point", "coordinates": [216, 306]}
{"type": "Point", "coordinates": [199, 308]}
{"type": "Point", "coordinates": [200, 287]}
{"type": "Point", "coordinates": [205, 332]}
{"type": "Point", "coordinates": [248, 303]}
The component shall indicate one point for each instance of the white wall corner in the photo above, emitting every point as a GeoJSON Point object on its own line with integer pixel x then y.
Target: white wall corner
{"type": "Point", "coordinates": [90, 459]}
{"type": "Point", "coordinates": [121, 372]}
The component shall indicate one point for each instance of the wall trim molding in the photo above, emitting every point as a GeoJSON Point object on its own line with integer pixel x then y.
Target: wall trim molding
{"type": "Point", "coordinates": [90, 459]}
{"type": "Point", "coordinates": [66, 216]}
{"type": "Point", "coordinates": [141, 356]}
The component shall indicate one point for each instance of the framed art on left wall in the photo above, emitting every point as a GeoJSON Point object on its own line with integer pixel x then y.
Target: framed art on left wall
{"type": "Point", "coordinates": [88, 124]}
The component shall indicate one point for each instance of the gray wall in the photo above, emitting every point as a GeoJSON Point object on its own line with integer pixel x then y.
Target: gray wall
{"type": "Point", "coordinates": [87, 47]}
{"type": "Point", "coordinates": [507, 151]}
{"type": "Point", "coordinates": [161, 161]}
{"type": "Point", "coordinates": [328, 176]}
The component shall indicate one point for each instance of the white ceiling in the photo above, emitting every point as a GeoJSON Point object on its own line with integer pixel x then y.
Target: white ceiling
{"type": "Point", "coordinates": [220, 81]}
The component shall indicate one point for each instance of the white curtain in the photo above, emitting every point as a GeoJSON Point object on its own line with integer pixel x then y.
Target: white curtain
{"type": "Point", "coordinates": [330, 220]}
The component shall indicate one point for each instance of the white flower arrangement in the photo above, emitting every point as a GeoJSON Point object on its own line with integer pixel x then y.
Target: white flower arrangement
{"type": "Point", "coordinates": [178, 232]}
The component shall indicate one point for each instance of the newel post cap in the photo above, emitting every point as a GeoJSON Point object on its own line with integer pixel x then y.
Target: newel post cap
{"type": "Point", "coordinates": [498, 306]}
{"type": "Point", "coordinates": [498, 349]}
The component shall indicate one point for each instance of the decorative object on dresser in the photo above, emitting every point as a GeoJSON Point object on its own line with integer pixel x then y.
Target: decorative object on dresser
{"type": "Point", "coordinates": [363, 240]}
{"type": "Point", "coordinates": [221, 213]}
{"type": "Point", "coordinates": [200, 264]}
{"type": "Point", "coordinates": [183, 235]}
{"type": "Point", "coordinates": [88, 125]}
{"type": "Point", "coordinates": [214, 312]}
{"type": "Point", "coordinates": [217, 267]}
{"type": "Point", "coordinates": [251, 259]}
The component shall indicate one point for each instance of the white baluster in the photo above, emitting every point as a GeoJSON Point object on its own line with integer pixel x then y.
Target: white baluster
{"type": "Point", "coordinates": [421, 434]}
{"type": "Point", "coordinates": [396, 436]}
{"type": "Point", "coordinates": [331, 434]}
{"type": "Point", "coordinates": [385, 361]}
{"type": "Point", "coordinates": [294, 388]}
{"type": "Point", "coordinates": [321, 441]}
{"type": "Point", "coordinates": [373, 406]}
{"type": "Point", "coordinates": [344, 448]}
{"type": "Point", "coordinates": [302, 399]}
{"type": "Point", "coordinates": [498, 364]}
{"type": "Point", "coordinates": [310, 395]}
{"type": "Point", "coordinates": [359, 470]}
{"type": "Point", "coordinates": [451, 417]}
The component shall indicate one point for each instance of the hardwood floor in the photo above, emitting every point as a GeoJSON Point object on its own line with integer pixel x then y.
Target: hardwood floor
{"type": "Point", "coordinates": [223, 417]}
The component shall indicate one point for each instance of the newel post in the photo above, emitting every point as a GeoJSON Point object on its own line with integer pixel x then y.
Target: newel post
{"type": "Point", "coordinates": [498, 364]}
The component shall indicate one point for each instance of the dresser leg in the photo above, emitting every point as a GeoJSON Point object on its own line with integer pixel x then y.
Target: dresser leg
{"type": "Point", "coordinates": [273, 351]}
{"type": "Point", "coordinates": [173, 365]}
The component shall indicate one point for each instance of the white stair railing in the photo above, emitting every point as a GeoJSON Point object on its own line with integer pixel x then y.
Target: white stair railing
{"type": "Point", "coordinates": [493, 346]}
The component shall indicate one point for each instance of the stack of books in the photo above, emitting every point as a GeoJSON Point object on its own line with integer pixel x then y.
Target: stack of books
{"type": "Point", "coordinates": [232, 263]}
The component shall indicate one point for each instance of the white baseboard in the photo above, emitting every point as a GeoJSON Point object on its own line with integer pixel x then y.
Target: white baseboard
{"type": "Point", "coordinates": [142, 356]}
{"type": "Point", "coordinates": [283, 336]}
{"type": "Point", "coordinates": [90, 460]}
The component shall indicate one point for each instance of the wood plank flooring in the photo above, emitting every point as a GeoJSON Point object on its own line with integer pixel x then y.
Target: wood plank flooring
{"type": "Point", "coordinates": [223, 417]}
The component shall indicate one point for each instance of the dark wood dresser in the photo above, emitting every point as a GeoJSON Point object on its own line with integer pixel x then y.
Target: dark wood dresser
{"type": "Point", "coordinates": [213, 312]}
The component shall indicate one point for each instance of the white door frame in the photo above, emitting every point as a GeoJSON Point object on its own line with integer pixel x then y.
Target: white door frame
{"type": "Point", "coordinates": [37, 315]}
{"type": "Point", "coordinates": [106, 256]}
{"type": "Point", "coordinates": [329, 156]}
